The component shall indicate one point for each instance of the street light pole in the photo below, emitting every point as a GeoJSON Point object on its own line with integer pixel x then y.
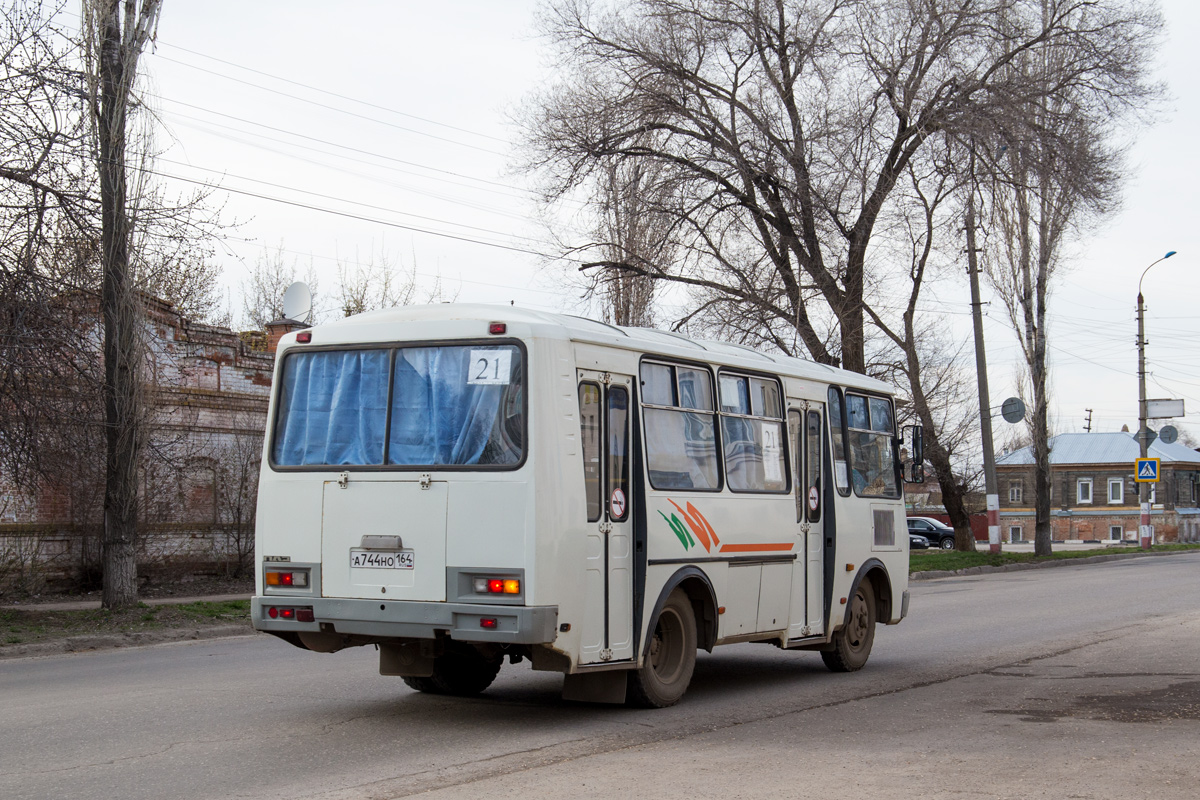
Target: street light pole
{"type": "Point", "coordinates": [1143, 435]}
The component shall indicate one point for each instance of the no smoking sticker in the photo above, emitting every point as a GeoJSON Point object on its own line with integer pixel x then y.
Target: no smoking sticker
{"type": "Point", "coordinates": [616, 507]}
{"type": "Point", "coordinates": [813, 499]}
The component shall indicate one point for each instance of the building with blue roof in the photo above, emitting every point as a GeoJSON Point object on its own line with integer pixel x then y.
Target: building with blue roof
{"type": "Point", "coordinates": [1094, 496]}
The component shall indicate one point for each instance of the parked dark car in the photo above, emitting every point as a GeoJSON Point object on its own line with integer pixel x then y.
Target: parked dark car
{"type": "Point", "coordinates": [938, 533]}
{"type": "Point", "coordinates": [917, 542]}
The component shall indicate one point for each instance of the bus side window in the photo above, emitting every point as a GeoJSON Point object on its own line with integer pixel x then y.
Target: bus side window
{"type": "Point", "coordinates": [617, 427]}
{"type": "Point", "coordinates": [812, 465]}
{"type": "Point", "coordinates": [589, 435]}
{"type": "Point", "coordinates": [841, 478]}
{"type": "Point", "coordinates": [871, 438]}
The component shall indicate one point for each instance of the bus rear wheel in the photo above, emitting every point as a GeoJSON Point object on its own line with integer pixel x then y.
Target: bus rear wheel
{"type": "Point", "coordinates": [852, 642]}
{"type": "Point", "coordinates": [461, 670]}
{"type": "Point", "coordinates": [670, 656]}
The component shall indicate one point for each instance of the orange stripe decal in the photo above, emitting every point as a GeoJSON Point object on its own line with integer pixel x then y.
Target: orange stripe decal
{"type": "Point", "coordinates": [708, 527]}
{"type": "Point", "coordinates": [755, 548]}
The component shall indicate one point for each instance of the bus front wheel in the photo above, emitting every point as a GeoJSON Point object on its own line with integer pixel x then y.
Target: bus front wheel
{"type": "Point", "coordinates": [851, 644]}
{"type": "Point", "coordinates": [461, 670]}
{"type": "Point", "coordinates": [670, 656]}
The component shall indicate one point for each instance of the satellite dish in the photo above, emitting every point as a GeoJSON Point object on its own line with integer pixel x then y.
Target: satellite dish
{"type": "Point", "coordinates": [1168, 434]}
{"type": "Point", "coordinates": [297, 302]}
{"type": "Point", "coordinates": [1013, 410]}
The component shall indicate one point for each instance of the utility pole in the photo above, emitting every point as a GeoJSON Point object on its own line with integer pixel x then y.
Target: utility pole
{"type": "Point", "coordinates": [991, 486]}
{"type": "Point", "coordinates": [1145, 531]}
{"type": "Point", "coordinates": [1087, 426]}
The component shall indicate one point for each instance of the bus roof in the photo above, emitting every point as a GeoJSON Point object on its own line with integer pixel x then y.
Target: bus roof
{"type": "Point", "coordinates": [390, 324]}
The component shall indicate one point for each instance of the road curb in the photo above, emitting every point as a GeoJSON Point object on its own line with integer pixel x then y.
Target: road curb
{"type": "Point", "coordinates": [988, 569]}
{"type": "Point", "coordinates": [82, 644]}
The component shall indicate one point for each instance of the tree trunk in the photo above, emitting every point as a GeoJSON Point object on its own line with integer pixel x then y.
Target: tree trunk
{"type": "Point", "coordinates": [116, 66]}
{"type": "Point", "coordinates": [953, 492]}
{"type": "Point", "coordinates": [1041, 447]}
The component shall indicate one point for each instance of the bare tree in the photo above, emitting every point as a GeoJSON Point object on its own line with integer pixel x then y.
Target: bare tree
{"type": "Point", "coordinates": [631, 229]}
{"type": "Point", "coordinates": [116, 34]}
{"type": "Point", "coordinates": [927, 364]}
{"type": "Point", "coordinates": [84, 234]}
{"type": "Point", "coordinates": [1054, 177]}
{"type": "Point", "coordinates": [783, 129]}
{"type": "Point", "coordinates": [237, 456]}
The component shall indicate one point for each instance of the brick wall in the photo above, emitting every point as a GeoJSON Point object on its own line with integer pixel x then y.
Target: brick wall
{"type": "Point", "coordinates": [1072, 520]}
{"type": "Point", "coordinates": [209, 391]}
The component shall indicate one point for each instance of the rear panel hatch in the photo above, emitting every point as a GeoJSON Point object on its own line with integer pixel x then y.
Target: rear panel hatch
{"type": "Point", "coordinates": [384, 540]}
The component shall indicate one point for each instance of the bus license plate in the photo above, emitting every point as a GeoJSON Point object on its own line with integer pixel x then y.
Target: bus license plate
{"type": "Point", "coordinates": [381, 559]}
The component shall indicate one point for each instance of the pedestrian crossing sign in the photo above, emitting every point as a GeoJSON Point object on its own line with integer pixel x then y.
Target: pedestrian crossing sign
{"type": "Point", "coordinates": [1146, 470]}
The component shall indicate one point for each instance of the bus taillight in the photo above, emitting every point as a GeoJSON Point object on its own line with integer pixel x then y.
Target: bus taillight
{"type": "Point", "coordinates": [296, 614]}
{"type": "Point", "coordinates": [484, 585]}
{"type": "Point", "coordinates": [297, 578]}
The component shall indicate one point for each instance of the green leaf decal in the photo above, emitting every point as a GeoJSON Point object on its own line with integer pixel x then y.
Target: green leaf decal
{"type": "Point", "coordinates": [678, 528]}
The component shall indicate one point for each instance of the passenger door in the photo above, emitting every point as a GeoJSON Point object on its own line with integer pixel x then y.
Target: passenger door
{"type": "Point", "coordinates": [806, 425]}
{"type": "Point", "coordinates": [604, 419]}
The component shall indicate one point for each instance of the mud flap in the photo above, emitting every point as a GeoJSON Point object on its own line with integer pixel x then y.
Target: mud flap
{"type": "Point", "coordinates": [596, 687]}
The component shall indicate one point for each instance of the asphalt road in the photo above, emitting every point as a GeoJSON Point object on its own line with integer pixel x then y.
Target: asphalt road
{"type": "Point", "coordinates": [1070, 682]}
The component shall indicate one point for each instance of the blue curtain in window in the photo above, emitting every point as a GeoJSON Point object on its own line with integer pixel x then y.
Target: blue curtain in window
{"type": "Point", "coordinates": [438, 417]}
{"type": "Point", "coordinates": [332, 408]}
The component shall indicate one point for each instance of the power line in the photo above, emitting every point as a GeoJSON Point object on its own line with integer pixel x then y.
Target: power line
{"type": "Point", "coordinates": [337, 144]}
{"type": "Point", "coordinates": [330, 197]}
{"type": "Point", "coordinates": [203, 126]}
{"type": "Point", "coordinates": [344, 111]}
{"type": "Point", "coordinates": [310, 88]}
{"type": "Point", "coordinates": [348, 215]}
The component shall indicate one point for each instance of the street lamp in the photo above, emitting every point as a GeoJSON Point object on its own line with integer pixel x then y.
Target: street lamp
{"type": "Point", "coordinates": [1143, 434]}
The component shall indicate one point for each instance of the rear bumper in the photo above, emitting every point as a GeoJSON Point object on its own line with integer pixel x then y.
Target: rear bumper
{"type": "Point", "coordinates": [407, 619]}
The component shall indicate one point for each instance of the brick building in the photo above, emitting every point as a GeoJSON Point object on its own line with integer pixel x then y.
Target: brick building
{"type": "Point", "coordinates": [208, 392]}
{"type": "Point", "coordinates": [1093, 494]}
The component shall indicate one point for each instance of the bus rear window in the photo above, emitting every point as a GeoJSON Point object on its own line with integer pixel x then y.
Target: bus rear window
{"type": "Point", "coordinates": [450, 406]}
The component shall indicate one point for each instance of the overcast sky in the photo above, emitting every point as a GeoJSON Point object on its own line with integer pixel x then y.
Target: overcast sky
{"type": "Point", "coordinates": [394, 115]}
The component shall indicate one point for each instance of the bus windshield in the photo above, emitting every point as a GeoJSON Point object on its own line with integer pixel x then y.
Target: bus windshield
{"type": "Point", "coordinates": [453, 405]}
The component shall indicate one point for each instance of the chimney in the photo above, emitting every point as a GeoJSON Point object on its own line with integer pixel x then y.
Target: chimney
{"type": "Point", "coordinates": [278, 329]}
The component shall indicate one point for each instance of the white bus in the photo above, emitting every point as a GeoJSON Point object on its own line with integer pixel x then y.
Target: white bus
{"type": "Point", "coordinates": [462, 484]}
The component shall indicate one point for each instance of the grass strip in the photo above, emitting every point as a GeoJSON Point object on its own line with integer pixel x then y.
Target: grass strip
{"type": "Point", "coordinates": [921, 561]}
{"type": "Point", "coordinates": [31, 625]}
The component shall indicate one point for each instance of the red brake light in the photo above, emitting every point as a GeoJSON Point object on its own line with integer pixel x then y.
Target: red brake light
{"type": "Point", "coordinates": [497, 328]}
{"type": "Point", "coordinates": [488, 622]}
{"type": "Point", "coordinates": [287, 613]}
{"type": "Point", "coordinates": [285, 579]}
{"type": "Point", "coordinates": [304, 337]}
{"type": "Point", "coordinates": [496, 586]}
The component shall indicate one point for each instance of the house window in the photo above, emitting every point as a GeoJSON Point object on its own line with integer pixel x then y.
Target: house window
{"type": "Point", "coordinates": [1116, 533]}
{"type": "Point", "coordinates": [1016, 533]}
{"type": "Point", "coordinates": [1083, 490]}
{"type": "Point", "coordinates": [1116, 490]}
{"type": "Point", "coordinates": [1014, 492]}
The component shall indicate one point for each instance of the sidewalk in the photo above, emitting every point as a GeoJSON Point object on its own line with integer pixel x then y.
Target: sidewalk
{"type": "Point", "coordinates": [93, 605]}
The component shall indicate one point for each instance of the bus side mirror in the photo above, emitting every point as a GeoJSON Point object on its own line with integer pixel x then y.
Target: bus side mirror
{"type": "Point", "coordinates": [914, 465]}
